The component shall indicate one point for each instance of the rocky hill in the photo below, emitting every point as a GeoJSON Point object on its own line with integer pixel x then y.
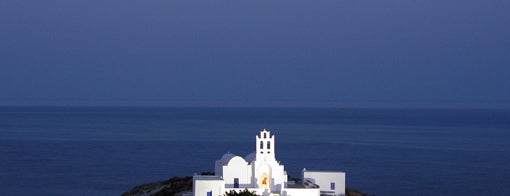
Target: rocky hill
{"type": "Point", "coordinates": [177, 186]}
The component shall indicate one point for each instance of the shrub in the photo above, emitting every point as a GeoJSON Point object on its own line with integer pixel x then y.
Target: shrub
{"type": "Point", "coordinates": [244, 192]}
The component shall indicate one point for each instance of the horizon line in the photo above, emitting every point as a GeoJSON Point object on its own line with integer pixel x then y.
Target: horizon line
{"type": "Point", "coordinates": [273, 104]}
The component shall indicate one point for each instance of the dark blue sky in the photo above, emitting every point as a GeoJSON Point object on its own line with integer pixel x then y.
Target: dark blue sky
{"type": "Point", "coordinates": [254, 52]}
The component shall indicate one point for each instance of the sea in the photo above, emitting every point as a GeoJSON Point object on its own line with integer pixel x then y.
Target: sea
{"type": "Point", "coordinates": [384, 151]}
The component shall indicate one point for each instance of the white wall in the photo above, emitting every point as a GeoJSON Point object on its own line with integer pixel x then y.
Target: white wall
{"type": "Point", "coordinates": [218, 168]}
{"type": "Point", "coordinates": [279, 176]}
{"type": "Point", "coordinates": [204, 184]}
{"type": "Point", "coordinates": [237, 167]}
{"type": "Point", "coordinates": [324, 180]}
{"type": "Point", "coordinates": [300, 192]}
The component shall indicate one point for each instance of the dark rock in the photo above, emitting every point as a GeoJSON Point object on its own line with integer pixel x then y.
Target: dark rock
{"type": "Point", "coordinates": [172, 187]}
{"type": "Point", "coordinates": [354, 192]}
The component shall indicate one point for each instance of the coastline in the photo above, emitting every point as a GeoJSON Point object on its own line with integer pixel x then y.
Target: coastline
{"type": "Point", "coordinates": [180, 186]}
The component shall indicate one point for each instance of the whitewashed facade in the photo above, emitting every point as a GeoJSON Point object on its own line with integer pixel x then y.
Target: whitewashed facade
{"type": "Point", "coordinates": [330, 183]}
{"type": "Point", "coordinates": [262, 173]}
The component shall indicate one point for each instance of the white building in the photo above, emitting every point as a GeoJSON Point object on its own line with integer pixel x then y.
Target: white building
{"type": "Point", "coordinates": [262, 173]}
{"type": "Point", "coordinates": [330, 183]}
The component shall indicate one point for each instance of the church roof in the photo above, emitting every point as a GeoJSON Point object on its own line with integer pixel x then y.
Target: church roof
{"type": "Point", "coordinates": [200, 177]}
{"type": "Point", "coordinates": [226, 158]}
{"type": "Point", "coordinates": [250, 157]}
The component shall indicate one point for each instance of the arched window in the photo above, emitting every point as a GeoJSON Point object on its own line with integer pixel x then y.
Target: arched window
{"type": "Point", "coordinates": [265, 135]}
{"type": "Point", "coordinates": [268, 145]}
{"type": "Point", "coordinates": [261, 145]}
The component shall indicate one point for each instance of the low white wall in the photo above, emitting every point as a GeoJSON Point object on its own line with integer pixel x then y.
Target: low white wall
{"type": "Point", "coordinates": [300, 192]}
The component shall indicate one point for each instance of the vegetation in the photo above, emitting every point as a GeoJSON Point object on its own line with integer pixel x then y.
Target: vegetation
{"type": "Point", "coordinates": [354, 192]}
{"type": "Point", "coordinates": [244, 192]}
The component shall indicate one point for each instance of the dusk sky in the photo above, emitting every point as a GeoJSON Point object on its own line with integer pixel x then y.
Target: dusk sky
{"type": "Point", "coordinates": [254, 52]}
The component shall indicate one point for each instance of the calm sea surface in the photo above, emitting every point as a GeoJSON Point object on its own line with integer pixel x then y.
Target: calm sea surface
{"type": "Point", "coordinates": [108, 150]}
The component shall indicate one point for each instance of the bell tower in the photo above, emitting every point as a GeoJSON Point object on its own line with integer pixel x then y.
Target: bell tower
{"type": "Point", "coordinates": [265, 146]}
{"type": "Point", "coordinates": [267, 172]}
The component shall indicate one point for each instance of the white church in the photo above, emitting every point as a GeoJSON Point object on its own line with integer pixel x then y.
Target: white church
{"type": "Point", "coordinates": [262, 173]}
